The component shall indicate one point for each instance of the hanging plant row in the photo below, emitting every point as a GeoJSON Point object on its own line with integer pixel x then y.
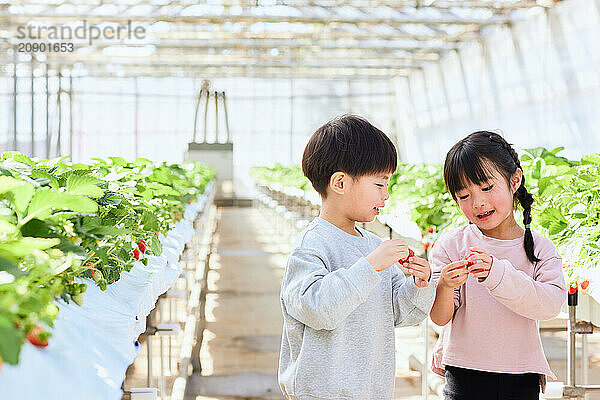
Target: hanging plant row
{"type": "Point", "coordinates": [60, 220]}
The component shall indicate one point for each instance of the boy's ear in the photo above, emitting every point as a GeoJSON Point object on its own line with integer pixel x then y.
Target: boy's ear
{"type": "Point", "coordinates": [337, 182]}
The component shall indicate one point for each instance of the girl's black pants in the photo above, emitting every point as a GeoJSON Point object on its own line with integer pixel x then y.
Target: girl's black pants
{"type": "Point", "coordinates": [468, 384]}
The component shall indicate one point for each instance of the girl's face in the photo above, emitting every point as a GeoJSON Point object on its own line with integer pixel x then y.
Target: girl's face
{"type": "Point", "coordinates": [489, 205]}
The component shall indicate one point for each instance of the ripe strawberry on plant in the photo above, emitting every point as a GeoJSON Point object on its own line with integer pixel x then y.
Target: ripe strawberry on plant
{"type": "Point", "coordinates": [142, 246]}
{"type": "Point", "coordinates": [136, 254]}
{"type": "Point", "coordinates": [38, 336]}
{"type": "Point", "coordinates": [573, 287]}
{"type": "Point", "coordinates": [430, 229]}
{"type": "Point", "coordinates": [584, 285]}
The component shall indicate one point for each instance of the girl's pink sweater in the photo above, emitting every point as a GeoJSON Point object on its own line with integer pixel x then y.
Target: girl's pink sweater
{"type": "Point", "coordinates": [494, 327]}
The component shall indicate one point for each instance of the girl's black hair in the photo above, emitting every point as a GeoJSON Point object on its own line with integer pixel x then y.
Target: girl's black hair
{"type": "Point", "coordinates": [470, 160]}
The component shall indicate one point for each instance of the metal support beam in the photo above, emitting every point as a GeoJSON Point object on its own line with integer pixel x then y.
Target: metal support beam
{"type": "Point", "coordinates": [32, 108]}
{"type": "Point", "coordinates": [226, 117]}
{"type": "Point", "coordinates": [14, 96]}
{"type": "Point", "coordinates": [520, 62]}
{"type": "Point", "coordinates": [445, 90]}
{"type": "Point", "coordinates": [136, 116]}
{"type": "Point", "coordinates": [206, 114]}
{"type": "Point", "coordinates": [216, 116]}
{"type": "Point", "coordinates": [198, 101]}
{"type": "Point", "coordinates": [464, 81]}
{"type": "Point", "coordinates": [71, 116]}
{"type": "Point", "coordinates": [59, 102]}
{"type": "Point", "coordinates": [291, 121]}
{"type": "Point", "coordinates": [48, 141]}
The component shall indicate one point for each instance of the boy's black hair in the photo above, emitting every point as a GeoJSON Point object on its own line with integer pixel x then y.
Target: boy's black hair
{"type": "Point", "coordinates": [350, 144]}
{"type": "Point", "coordinates": [470, 160]}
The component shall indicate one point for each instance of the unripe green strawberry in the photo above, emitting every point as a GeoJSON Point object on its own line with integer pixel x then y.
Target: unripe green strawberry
{"type": "Point", "coordinates": [96, 275]}
{"type": "Point", "coordinates": [77, 298]}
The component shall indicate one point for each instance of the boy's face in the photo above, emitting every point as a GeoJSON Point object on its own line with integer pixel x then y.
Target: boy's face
{"type": "Point", "coordinates": [366, 196]}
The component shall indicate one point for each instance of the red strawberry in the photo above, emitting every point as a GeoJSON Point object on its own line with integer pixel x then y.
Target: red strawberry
{"type": "Point", "coordinates": [136, 254]}
{"type": "Point", "coordinates": [142, 246]}
{"type": "Point", "coordinates": [410, 254]}
{"type": "Point", "coordinates": [430, 229]}
{"type": "Point", "coordinates": [573, 287]}
{"type": "Point", "coordinates": [584, 286]}
{"type": "Point", "coordinates": [469, 262]}
{"type": "Point", "coordinates": [427, 245]}
{"type": "Point", "coordinates": [156, 234]}
{"type": "Point", "coordinates": [38, 337]}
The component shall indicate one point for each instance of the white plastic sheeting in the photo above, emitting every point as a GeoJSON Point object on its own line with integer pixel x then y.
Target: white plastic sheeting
{"type": "Point", "coordinates": [92, 345]}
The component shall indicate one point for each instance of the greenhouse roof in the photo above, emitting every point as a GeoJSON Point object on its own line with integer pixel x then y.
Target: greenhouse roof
{"type": "Point", "coordinates": [268, 38]}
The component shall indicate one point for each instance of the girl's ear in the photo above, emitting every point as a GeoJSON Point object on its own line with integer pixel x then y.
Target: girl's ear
{"type": "Point", "coordinates": [337, 182]}
{"type": "Point", "coordinates": [516, 179]}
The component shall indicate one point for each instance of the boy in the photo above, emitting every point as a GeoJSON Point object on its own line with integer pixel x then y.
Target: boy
{"type": "Point", "coordinates": [342, 294]}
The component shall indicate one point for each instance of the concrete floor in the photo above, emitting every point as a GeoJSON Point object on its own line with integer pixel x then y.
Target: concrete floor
{"type": "Point", "coordinates": [243, 323]}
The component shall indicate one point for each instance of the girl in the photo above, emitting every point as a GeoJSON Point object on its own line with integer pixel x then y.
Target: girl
{"type": "Point", "coordinates": [494, 279]}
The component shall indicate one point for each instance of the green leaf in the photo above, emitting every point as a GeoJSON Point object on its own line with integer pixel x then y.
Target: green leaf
{"type": "Point", "coordinates": [85, 186]}
{"type": "Point", "coordinates": [8, 183]}
{"type": "Point", "coordinates": [551, 215]}
{"type": "Point", "coordinates": [10, 341]}
{"type": "Point", "coordinates": [156, 246]}
{"type": "Point", "coordinates": [38, 173]}
{"type": "Point", "coordinates": [19, 248]}
{"type": "Point", "coordinates": [45, 201]}
{"type": "Point", "coordinates": [118, 161]}
{"type": "Point", "coordinates": [22, 196]}
{"type": "Point", "coordinates": [15, 155]}
{"type": "Point", "coordinates": [149, 221]}
{"type": "Point", "coordinates": [557, 227]}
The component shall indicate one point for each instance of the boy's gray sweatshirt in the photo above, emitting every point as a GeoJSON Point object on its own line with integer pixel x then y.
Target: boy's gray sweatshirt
{"type": "Point", "coordinates": [339, 317]}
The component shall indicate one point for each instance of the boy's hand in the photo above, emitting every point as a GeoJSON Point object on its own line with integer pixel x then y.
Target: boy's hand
{"type": "Point", "coordinates": [419, 268]}
{"type": "Point", "coordinates": [480, 263]}
{"type": "Point", "coordinates": [388, 253]}
{"type": "Point", "coordinates": [454, 274]}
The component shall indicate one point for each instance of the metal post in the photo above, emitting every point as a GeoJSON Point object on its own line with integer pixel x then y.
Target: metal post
{"type": "Point", "coordinates": [492, 77]}
{"type": "Point", "coordinates": [226, 117]}
{"type": "Point", "coordinates": [424, 367]}
{"type": "Point", "coordinates": [445, 89]}
{"type": "Point", "coordinates": [426, 92]}
{"type": "Point", "coordinates": [464, 80]}
{"type": "Point", "coordinates": [48, 142]}
{"type": "Point", "coordinates": [58, 99]}
{"type": "Point", "coordinates": [206, 114]}
{"type": "Point", "coordinates": [520, 61]}
{"type": "Point", "coordinates": [216, 117]}
{"type": "Point", "coordinates": [71, 115]}
{"type": "Point", "coordinates": [571, 352]}
{"type": "Point", "coordinates": [32, 109]}
{"type": "Point", "coordinates": [149, 347]}
{"type": "Point", "coordinates": [291, 121]}
{"type": "Point", "coordinates": [15, 60]}
{"type": "Point", "coordinates": [135, 113]}
{"type": "Point", "coordinates": [199, 100]}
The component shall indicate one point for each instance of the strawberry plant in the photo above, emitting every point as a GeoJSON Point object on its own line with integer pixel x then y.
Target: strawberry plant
{"type": "Point", "coordinates": [59, 221]}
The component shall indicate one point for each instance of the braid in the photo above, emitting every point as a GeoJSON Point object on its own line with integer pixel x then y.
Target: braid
{"type": "Point", "coordinates": [525, 198]}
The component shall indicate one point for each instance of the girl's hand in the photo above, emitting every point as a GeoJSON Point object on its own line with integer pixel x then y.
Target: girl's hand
{"type": "Point", "coordinates": [480, 263]}
{"type": "Point", "coordinates": [419, 268]}
{"type": "Point", "coordinates": [454, 274]}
